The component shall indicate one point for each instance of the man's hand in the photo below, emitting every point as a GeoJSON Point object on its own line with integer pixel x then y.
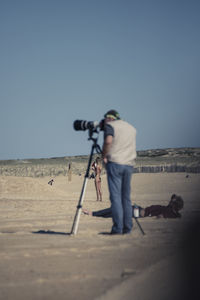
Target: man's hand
{"type": "Point", "coordinates": [105, 160]}
{"type": "Point", "coordinates": [106, 147]}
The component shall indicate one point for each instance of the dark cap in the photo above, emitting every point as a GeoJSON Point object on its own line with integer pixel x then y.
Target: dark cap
{"type": "Point", "coordinates": [112, 114]}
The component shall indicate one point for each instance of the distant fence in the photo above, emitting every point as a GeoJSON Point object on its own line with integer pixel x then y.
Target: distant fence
{"type": "Point", "coordinates": [79, 169]}
{"type": "Point", "coordinates": [167, 169]}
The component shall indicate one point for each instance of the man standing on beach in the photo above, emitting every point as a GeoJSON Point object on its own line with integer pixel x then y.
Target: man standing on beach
{"type": "Point", "coordinates": [119, 153]}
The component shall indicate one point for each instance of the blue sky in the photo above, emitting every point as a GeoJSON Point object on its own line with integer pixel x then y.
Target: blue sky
{"type": "Point", "coordinates": [76, 59]}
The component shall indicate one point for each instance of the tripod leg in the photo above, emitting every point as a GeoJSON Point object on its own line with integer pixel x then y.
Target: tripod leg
{"type": "Point", "coordinates": [79, 206]}
{"type": "Point", "coordinates": [140, 227]}
{"type": "Point", "coordinates": [79, 209]}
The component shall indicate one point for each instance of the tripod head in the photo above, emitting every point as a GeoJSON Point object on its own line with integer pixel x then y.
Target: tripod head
{"type": "Point", "coordinates": [96, 146]}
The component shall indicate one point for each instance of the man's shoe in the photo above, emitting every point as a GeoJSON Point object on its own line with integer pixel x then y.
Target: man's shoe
{"type": "Point", "coordinates": [127, 232]}
{"type": "Point", "coordinates": [115, 233]}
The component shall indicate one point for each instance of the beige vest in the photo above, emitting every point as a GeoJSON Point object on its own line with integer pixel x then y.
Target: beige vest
{"type": "Point", "coordinates": [123, 149]}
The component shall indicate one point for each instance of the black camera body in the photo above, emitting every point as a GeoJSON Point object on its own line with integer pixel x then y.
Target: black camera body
{"type": "Point", "coordinates": [90, 125]}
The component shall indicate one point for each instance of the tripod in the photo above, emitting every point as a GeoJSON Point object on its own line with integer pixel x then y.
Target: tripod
{"type": "Point", "coordinates": [96, 147]}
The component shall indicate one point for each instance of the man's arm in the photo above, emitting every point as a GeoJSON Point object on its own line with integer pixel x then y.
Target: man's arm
{"type": "Point", "coordinates": [106, 147]}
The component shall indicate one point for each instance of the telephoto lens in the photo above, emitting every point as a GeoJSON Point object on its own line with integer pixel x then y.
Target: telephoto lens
{"type": "Point", "coordinates": [80, 125]}
{"type": "Point", "coordinates": [84, 125]}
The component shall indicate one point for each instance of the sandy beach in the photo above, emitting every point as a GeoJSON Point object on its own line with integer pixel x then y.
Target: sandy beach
{"type": "Point", "coordinates": [39, 259]}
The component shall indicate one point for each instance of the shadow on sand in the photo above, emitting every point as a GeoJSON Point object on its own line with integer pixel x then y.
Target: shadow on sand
{"type": "Point", "coordinates": [50, 232]}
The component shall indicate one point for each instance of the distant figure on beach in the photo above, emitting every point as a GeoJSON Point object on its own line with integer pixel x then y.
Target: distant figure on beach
{"type": "Point", "coordinates": [96, 167]}
{"type": "Point", "coordinates": [51, 182]}
{"type": "Point", "coordinates": [171, 211]}
{"type": "Point", "coordinates": [69, 172]}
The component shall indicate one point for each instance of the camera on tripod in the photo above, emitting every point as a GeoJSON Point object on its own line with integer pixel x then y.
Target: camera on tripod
{"type": "Point", "coordinates": [93, 127]}
{"type": "Point", "coordinates": [90, 125]}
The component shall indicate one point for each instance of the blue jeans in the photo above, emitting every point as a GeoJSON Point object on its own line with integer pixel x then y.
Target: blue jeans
{"type": "Point", "coordinates": [119, 184]}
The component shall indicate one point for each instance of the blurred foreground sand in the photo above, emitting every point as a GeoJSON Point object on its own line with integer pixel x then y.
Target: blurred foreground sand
{"type": "Point", "coordinates": [40, 260]}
